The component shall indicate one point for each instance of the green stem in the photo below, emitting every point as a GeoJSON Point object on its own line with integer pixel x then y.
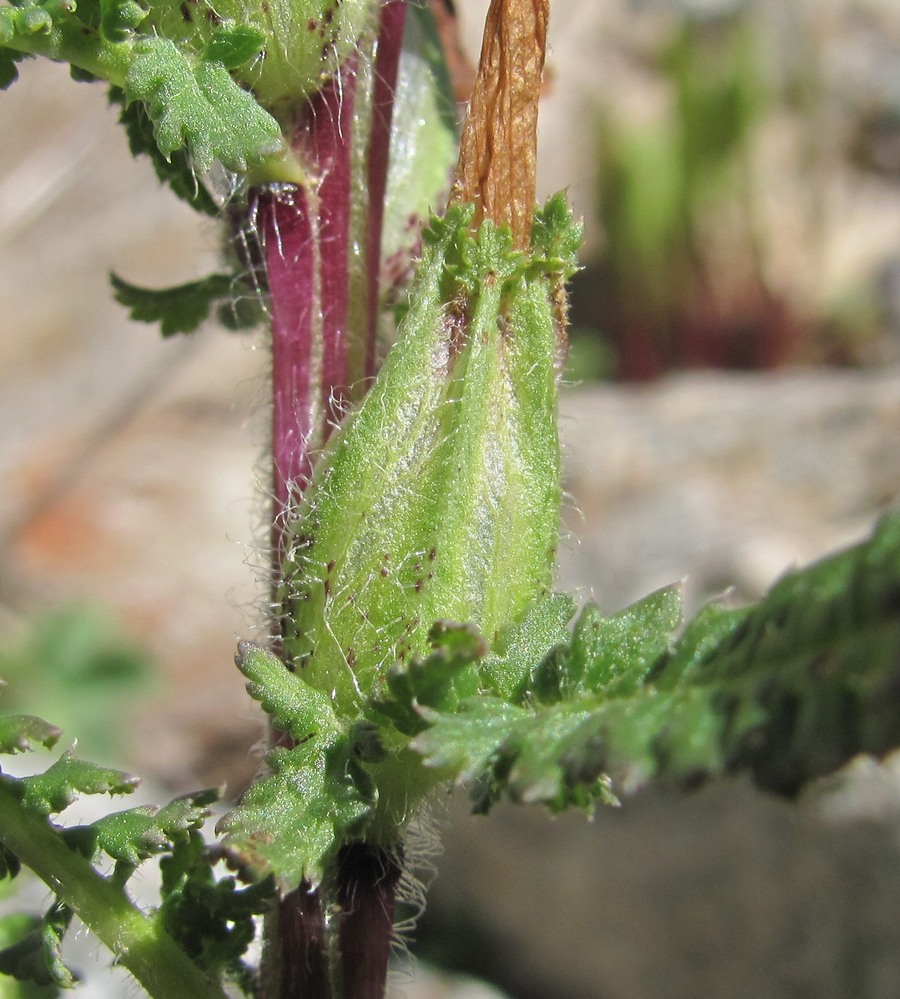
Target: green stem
{"type": "Point", "coordinates": [67, 39]}
{"type": "Point", "coordinates": [137, 940]}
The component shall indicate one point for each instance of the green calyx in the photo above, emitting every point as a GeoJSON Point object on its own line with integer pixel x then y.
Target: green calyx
{"type": "Point", "coordinates": [436, 501]}
{"type": "Point", "coordinates": [439, 498]}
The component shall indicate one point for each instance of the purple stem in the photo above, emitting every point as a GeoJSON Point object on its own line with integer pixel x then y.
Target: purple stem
{"type": "Point", "coordinates": [367, 886]}
{"type": "Point", "coordinates": [305, 235]}
{"type": "Point", "coordinates": [305, 242]}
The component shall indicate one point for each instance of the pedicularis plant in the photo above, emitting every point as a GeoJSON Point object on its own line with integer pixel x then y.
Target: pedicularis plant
{"type": "Point", "coordinates": [418, 640]}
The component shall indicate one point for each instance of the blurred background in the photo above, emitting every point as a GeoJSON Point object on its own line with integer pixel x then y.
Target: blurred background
{"type": "Point", "coordinates": [734, 410]}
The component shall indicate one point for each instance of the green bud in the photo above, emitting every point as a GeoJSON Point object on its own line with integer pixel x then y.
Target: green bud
{"type": "Point", "coordinates": [439, 498]}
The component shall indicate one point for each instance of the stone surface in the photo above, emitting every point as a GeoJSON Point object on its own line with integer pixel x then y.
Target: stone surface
{"type": "Point", "coordinates": [728, 481]}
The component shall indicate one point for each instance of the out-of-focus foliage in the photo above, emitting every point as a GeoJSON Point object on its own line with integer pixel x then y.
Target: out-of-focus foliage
{"type": "Point", "coordinates": [65, 664]}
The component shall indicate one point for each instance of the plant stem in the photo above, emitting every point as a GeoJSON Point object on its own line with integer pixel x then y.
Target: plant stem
{"type": "Point", "coordinates": [321, 248]}
{"type": "Point", "coordinates": [138, 942]}
{"type": "Point", "coordinates": [367, 884]}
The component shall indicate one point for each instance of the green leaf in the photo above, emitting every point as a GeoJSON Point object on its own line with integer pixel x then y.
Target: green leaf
{"type": "Point", "coordinates": [291, 823]}
{"type": "Point", "coordinates": [15, 928]}
{"type": "Point", "coordinates": [57, 787]}
{"type": "Point", "coordinates": [294, 706]}
{"type": "Point", "coordinates": [178, 310]}
{"type": "Point", "coordinates": [36, 957]}
{"type": "Point", "coordinates": [788, 689]}
{"type": "Point", "coordinates": [9, 863]}
{"type": "Point", "coordinates": [134, 835]}
{"type": "Point", "coordinates": [19, 733]}
{"type": "Point", "coordinates": [211, 918]}
{"type": "Point", "coordinates": [523, 646]}
{"type": "Point", "coordinates": [613, 654]}
{"type": "Point", "coordinates": [467, 741]}
{"type": "Point", "coordinates": [197, 104]}
{"type": "Point", "coordinates": [428, 681]}
{"type": "Point", "coordinates": [9, 73]}
{"type": "Point", "coordinates": [136, 939]}
{"type": "Point", "coordinates": [173, 170]}
{"type": "Point", "coordinates": [234, 46]}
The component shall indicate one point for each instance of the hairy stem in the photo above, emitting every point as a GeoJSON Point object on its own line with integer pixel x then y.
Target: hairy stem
{"type": "Point", "coordinates": [321, 247]}
{"type": "Point", "coordinates": [367, 887]}
{"type": "Point", "coordinates": [138, 941]}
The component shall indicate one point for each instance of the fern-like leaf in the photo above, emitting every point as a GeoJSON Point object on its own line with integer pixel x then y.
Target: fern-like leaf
{"type": "Point", "coordinates": [788, 689]}
{"type": "Point", "coordinates": [19, 733]}
{"type": "Point", "coordinates": [57, 787]}
{"type": "Point", "coordinates": [196, 104]}
{"type": "Point", "coordinates": [290, 823]}
{"type": "Point", "coordinates": [180, 309]}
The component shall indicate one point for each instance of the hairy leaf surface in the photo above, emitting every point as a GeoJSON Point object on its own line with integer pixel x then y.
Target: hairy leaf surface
{"type": "Point", "coordinates": [788, 689]}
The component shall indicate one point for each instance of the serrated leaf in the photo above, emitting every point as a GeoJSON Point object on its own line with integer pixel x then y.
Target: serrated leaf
{"type": "Point", "coordinates": [134, 835]}
{"type": "Point", "coordinates": [295, 707]}
{"type": "Point", "coordinates": [20, 733]}
{"type": "Point", "coordinates": [291, 823]}
{"type": "Point", "coordinates": [534, 757]}
{"type": "Point", "coordinates": [214, 923]}
{"type": "Point", "coordinates": [613, 654]}
{"type": "Point", "coordinates": [37, 957]}
{"type": "Point", "coordinates": [428, 681]}
{"type": "Point", "coordinates": [9, 863]}
{"type": "Point", "coordinates": [789, 689]}
{"type": "Point", "coordinates": [173, 170]}
{"type": "Point", "coordinates": [58, 786]}
{"type": "Point", "coordinates": [211, 918]}
{"type": "Point", "coordinates": [178, 310]}
{"type": "Point", "coordinates": [524, 645]}
{"type": "Point", "coordinates": [468, 740]}
{"type": "Point", "coordinates": [196, 103]}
